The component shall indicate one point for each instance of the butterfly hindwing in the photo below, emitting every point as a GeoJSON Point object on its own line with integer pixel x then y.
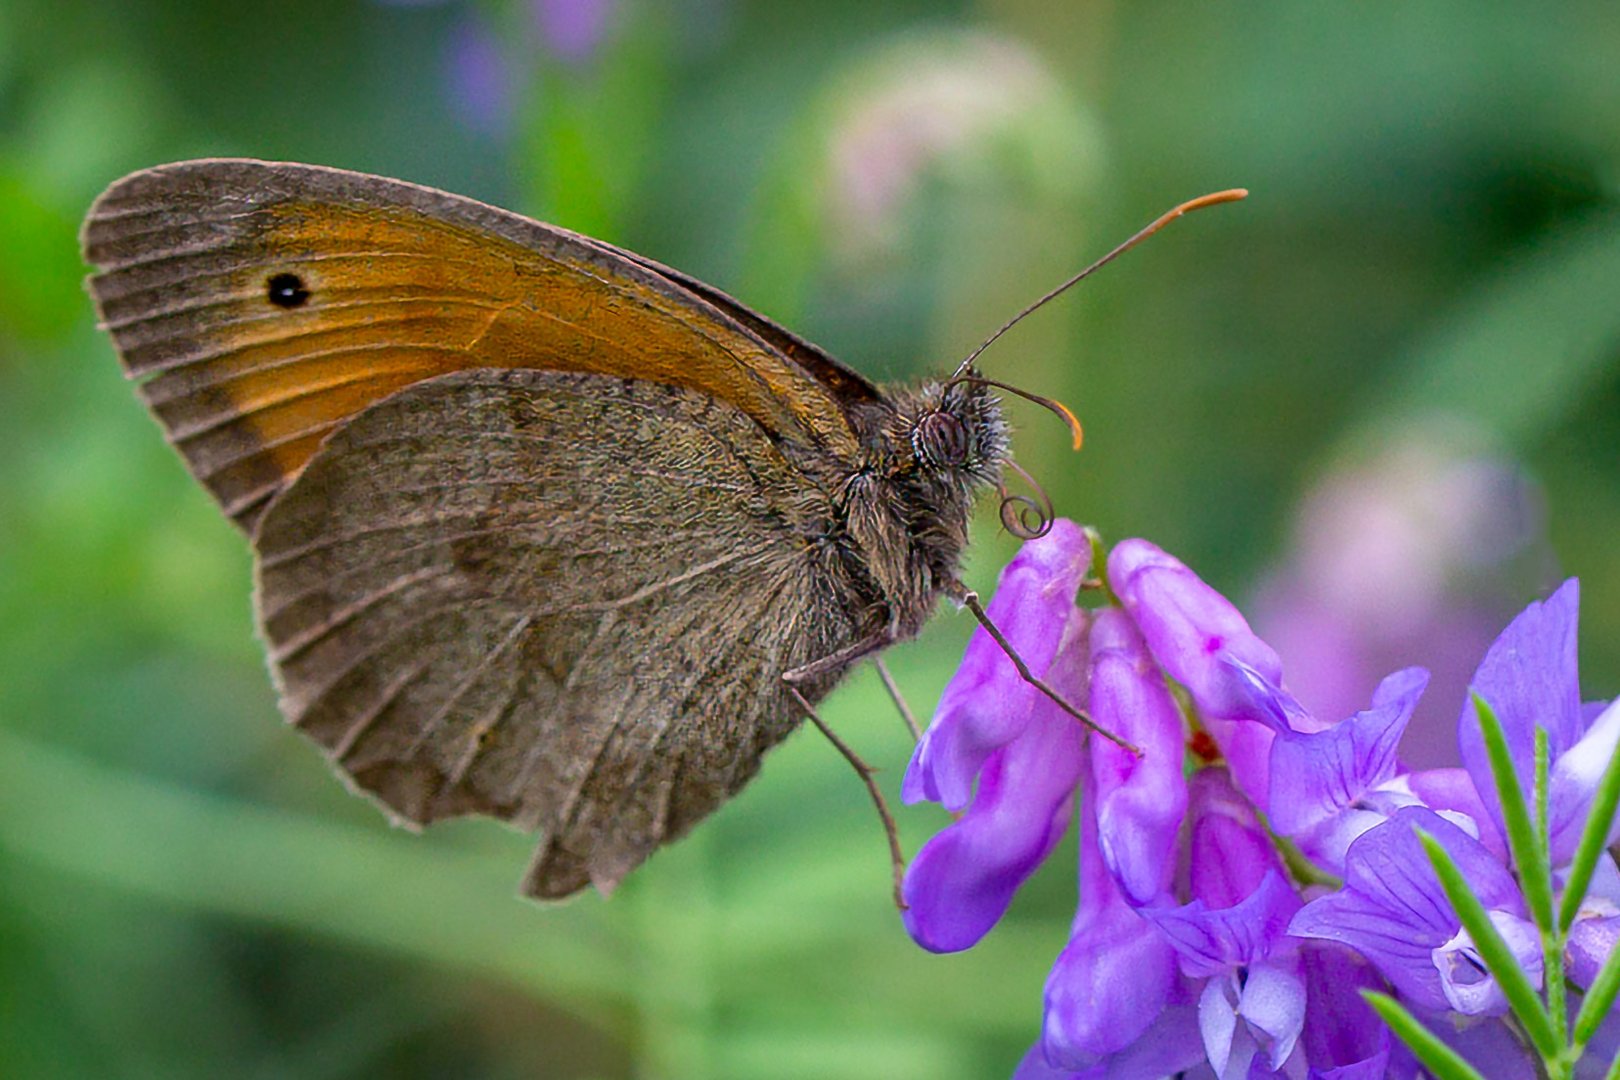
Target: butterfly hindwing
{"type": "Point", "coordinates": [562, 599]}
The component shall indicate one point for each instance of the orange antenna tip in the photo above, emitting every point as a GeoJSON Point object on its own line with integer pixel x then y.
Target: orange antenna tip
{"type": "Point", "coordinates": [1214, 197]}
{"type": "Point", "coordinates": [1070, 419]}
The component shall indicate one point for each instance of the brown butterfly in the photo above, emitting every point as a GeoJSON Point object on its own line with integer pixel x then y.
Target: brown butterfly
{"type": "Point", "coordinates": [544, 530]}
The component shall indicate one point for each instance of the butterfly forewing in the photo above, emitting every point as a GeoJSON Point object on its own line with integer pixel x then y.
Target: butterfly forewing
{"type": "Point", "coordinates": [264, 305]}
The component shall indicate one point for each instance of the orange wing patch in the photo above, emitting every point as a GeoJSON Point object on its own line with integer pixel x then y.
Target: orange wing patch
{"type": "Point", "coordinates": [267, 304]}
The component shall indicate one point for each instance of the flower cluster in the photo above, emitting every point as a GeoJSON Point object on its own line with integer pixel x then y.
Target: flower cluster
{"type": "Point", "coordinates": [1254, 868]}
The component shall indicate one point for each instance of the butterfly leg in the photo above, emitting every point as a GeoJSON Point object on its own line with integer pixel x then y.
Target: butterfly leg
{"type": "Point", "coordinates": [898, 698]}
{"type": "Point", "coordinates": [841, 659]}
{"type": "Point", "coordinates": [837, 662]}
{"type": "Point", "coordinates": [970, 600]}
{"type": "Point", "coordinates": [897, 859]}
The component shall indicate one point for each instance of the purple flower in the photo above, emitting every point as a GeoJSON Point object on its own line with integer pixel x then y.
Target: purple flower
{"type": "Point", "coordinates": [1202, 642]}
{"type": "Point", "coordinates": [1233, 934]}
{"type": "Point", "coordinates": [986, 705]}
{"type": "Point", "coordinates": [963, 879]}
{"type": "Point", "coordinates": [1530, 679]}
{"type": "Point", "coordinates": [1253, 1001]}
{"type": "Point", "coordinates": [1330, 786]}
{"type": "Point", "coordinates": [1170, 1046]}
{"type": "Point", "coordinates": [1150, 991]}
{"type": "Point", "coordinates": [1194, 631]}
{"type": "Point", "coordinates": [1591, 939]}
{"type": "Point", "coordinates": [1025, 752]}
{"type": "Point", "coordinates": [1212, 937]}
{"type": "Point", "coordinates": [1343, 1037]}
{"type": "Point", "coordinates": [1140, 798]}
{"type": "Point", "coordinates": [1393, 911]}
{"type": "Point", "coordinates": [1228, 853]}
{"type": "Point", "coordinates": [1113, 979]}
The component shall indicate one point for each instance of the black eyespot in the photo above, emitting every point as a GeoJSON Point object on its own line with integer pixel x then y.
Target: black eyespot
{"type": "Point", "coordinates": [940, 439]}
{"type": "Point", "coordinates": [287, 291]}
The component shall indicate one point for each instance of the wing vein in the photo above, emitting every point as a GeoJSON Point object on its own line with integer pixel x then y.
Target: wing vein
{"type": "Point", "coordinates": [519, 626]}
{"type": "Point", "coordinates": [285, 650]}
{"type": "Point", "coordinates": [362, 723]}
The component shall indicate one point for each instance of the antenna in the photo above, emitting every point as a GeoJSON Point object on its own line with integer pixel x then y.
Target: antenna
{"type": "Point", "coordinates": [1230, 195]}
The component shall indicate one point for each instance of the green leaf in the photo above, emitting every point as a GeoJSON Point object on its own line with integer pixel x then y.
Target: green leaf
{"type": "Point", "coordinates": [1493, 950]}
{"type": "Point", "coordinates": [1552, 939]}
{"type": "Point", "coordinates": [1440, 1059]}
{"type": "Point", "coordinates": [1534, 876]}
{"type": "Point", "coordinates": [1599, 999]}
{"type": "Point", "coordinates": [1543, 785]}
{"type": "Point", "coordinates": [1594, 838]}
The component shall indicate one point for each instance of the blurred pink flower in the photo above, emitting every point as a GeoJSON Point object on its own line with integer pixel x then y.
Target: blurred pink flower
{"type": "Point", "coordinates": [573, 31]}
{"type": "Point", "coordinates": [1416, 555]}
{"type": "Point", "coordinates": [949, 104]}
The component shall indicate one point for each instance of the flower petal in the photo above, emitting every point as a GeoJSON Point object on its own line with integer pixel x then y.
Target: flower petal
{"type": "Point", "coordinates": [1319, 778]}
{"type": "Point", "coordinates": [1170, 1046]}
{"type": "Point", "coordinates": [1140, 799]}
{"type": "Point", "coordinates": [987, 704]}
{"type": "Point", "coordinates": [1392, 909]}
{"type": "Point", "coordinates": [1451, 794]}
{"type": "Point", "coordinates": [1212, 941]}
{"type": "Point", "coordinates": [1116, 973]}
{"type": "Point", "coordinates": [1107, 986]}
{"type": "Point", "coordinates": [1218, 1024]}
{"type": "Point", "coordinates": [1196, 634]}
{"type": "Point", "coordinates": [1229, 852]}
{"type": "Point", "coordinates": [1591, 940]}
{"type": "Point", "coordinates": [1468, 986]}
{"type": "Point", "coordinates": [1034, 1066]}
{"type": "Point", "coordinates": [962, 880]}
{"type": "Point", "coordinates": [1488, 1045]}
{"type": "Point", "coordinates": [1530, 679]}
{"type": "Point", "coordinates": [1273, 1006]}
{"type": "Point", "coordinates": [1373, 1067]}
{"type": "Point", "coordinates": [1573, 783]}
{"type": "Point", "coordinates": [1343, 1038]}
{"type": "Point", "coordinates": [1191, 628]}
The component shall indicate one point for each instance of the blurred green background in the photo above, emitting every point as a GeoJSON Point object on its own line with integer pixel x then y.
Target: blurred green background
{"type": "Point", "coordinates": [1379, 402]}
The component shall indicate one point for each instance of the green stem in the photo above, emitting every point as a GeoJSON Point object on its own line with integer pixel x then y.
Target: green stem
{"type": "Point", "coordinates": [1099, 566]}
{"type": "Point", "coordinates": [1300, 867]}
{"type": "Point", "coordinates": [1552, 935]}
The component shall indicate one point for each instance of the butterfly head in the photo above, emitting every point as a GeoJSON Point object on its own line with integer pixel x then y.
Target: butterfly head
{"type": "Point", "coordinates": [957, 433]}
{"type": "Point", "coordinates": [956, 443]}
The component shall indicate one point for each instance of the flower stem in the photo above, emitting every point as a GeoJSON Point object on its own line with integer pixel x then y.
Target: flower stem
{"type": "Point", "coordinates": [1099, 558]}
{"type": "Point", "coordinates": [1300, 867]}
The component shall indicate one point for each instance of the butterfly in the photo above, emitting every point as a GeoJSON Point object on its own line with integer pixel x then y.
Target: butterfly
{"type": "Point", "coordinates": [543, 530]}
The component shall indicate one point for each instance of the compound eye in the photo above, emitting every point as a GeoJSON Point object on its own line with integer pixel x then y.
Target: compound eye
{"type": "Point", "coordinates": [941, 439]}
